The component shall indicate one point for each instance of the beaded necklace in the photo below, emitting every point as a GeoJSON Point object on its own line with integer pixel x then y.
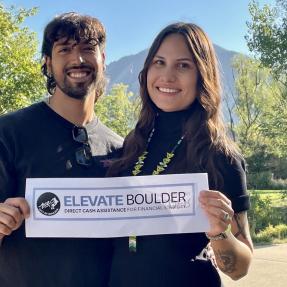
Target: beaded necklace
{"type": "Point", "coordinates": [161, 166]}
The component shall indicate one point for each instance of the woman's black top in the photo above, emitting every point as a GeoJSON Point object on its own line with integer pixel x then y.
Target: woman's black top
{"type": "Point", "coordinates": [170, 260]}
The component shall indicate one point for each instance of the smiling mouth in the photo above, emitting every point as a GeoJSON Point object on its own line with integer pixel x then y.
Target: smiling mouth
{"type": "Point", "coordinates": [79, 75]}
{"type": "Point", "coordinates": [168, 90]}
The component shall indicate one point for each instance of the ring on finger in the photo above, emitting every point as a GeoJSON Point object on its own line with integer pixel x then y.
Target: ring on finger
{"type": "Point", "coordinates": [226, 216]}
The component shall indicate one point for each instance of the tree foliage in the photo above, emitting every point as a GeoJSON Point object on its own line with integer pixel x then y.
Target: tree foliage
{"type": "Point", "coordinates": [259, 126]}
{"type": "Point", "coordinates": [275, 127]}
{"type": "Point", "coordinates": [117, 109]}
{"type": "Point", "coordinates": [21, 82]}
{"type": "Point", "coordinates": [257, 94]}
{"type": "Point", "coordinates": [267, 39]}
{"type": "Point", "coordinates": [267, 36]}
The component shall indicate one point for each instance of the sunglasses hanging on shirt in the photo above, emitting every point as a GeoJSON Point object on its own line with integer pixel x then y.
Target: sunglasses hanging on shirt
{"type": "Point", "coordinates": [83, 154]}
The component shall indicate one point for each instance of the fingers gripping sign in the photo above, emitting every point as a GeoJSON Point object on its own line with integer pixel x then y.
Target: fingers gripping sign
{"type": "Point", "coordinates": [218, 210]}
{"type": "Point", "coordinates": [12, 213]}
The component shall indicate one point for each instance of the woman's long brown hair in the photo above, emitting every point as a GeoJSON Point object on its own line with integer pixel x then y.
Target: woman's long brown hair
{"type": "Point", "coordinates": [206, 135]}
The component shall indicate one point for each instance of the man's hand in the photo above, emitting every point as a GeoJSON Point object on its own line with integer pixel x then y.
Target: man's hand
{"type": "Point", "coordinates": [12, 213]}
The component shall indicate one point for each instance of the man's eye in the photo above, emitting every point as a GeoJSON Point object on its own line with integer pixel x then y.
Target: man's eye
{"type": "Point", "coordinates": [64, 50]}
{"type": "Point", "coordinates": [90, 49]}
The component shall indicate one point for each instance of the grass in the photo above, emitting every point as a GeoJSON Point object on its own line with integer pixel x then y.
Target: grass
{"type": "Point", "coordinates": [263, 191]}
{"type": "Point", "coordinates": [279, 241]}
{"type": "Point", "coordinates": [272, 209]}
{"type": "Point", "coordinates": [276, 196]}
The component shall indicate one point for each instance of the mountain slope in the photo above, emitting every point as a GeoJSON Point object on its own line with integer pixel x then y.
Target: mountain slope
{"type": "Point", "coordinates": [126, 69]}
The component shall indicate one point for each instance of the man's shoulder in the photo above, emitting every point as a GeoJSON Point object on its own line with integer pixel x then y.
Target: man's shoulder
{"type": "Point", "coordinates": [20, 115]}
{"type": "Point", "coordinates": [109, 135]}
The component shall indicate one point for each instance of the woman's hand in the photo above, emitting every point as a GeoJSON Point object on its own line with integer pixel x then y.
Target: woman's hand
{"type": "Point", "coordinates": [218, 210]}
{"type": "Point", "coordinates": [233, 253]}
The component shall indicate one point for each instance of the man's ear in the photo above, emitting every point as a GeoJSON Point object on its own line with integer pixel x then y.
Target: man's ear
{"type": "Point", "coordinates": [104, 60]}
{"type": "Point", "coordinates": [48, 62]}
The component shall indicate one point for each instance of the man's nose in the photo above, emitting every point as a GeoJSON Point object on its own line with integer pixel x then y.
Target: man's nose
{"type": "Point", "coordinates": [78, 57]}
{"type": "Point", "coordinates": [81, 59]}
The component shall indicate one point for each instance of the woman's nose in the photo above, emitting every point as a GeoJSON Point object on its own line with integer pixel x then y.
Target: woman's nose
{"type": "Point", "coordinates": [168, 75]}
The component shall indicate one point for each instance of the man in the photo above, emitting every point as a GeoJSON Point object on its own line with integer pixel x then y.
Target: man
{"type": "Point", "coordinates": [58, 138]}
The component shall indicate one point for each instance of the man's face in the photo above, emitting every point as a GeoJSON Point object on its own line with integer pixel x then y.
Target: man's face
{"type": "Point", "coordinates": [76, 67]}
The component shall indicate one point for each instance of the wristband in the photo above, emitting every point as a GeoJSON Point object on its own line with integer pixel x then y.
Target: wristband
{"type": "Point", "coordinates": [220, 236]}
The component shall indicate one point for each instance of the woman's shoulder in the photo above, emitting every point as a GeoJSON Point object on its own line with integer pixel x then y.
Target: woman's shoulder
{"type": "Point", "coordinates": [227, 163]}
{"type": "Point", "coordinates": [233, 171]}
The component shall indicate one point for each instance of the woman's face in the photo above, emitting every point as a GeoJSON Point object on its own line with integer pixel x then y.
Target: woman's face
{"type": "Point", "coordinates": [172, 75]}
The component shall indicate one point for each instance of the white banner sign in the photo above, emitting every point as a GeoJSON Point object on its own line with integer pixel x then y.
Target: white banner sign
{"type": "Point", "coordinates": [115, 207]}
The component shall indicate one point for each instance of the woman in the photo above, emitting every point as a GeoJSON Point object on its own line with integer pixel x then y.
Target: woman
{"type": "Point", "coordinates": [180, 93]}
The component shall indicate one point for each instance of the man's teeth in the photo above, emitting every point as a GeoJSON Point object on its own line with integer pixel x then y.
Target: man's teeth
{"type": "Point", "coordinates": [167, 90]}
{"type": "Point", "coordinates": [78, 75]}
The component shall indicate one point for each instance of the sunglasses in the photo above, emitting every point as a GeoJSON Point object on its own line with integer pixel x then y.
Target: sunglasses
{"type": "Point", "coordinates": [84, 153]}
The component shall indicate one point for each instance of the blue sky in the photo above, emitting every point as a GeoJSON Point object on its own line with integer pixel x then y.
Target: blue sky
{"type": "Point", "coordinates": [132, 25]}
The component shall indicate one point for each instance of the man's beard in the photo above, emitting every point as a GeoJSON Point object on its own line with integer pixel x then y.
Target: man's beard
{"type": "Point", "coordinates": [80, 91]}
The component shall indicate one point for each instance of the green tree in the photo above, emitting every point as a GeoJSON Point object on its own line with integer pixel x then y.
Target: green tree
{"type": "Point", "coordinates": [118, 109]}
{"type": "Point", "coordinates": [275, 127]}
{"type": "Point", "coordinates": [21, 82]}
{"type": "Point", "coordinates": [267, 39]}
{"type": "Point", "coordinates": [257, 132]}
{"type": "Point", "coordinates": [267, 36]}
{"type": "Point", "coordinates": [256, 98]}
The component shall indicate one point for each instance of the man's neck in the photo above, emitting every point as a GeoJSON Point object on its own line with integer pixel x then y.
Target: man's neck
{"type": "Point", "coordinates": [78, 112]}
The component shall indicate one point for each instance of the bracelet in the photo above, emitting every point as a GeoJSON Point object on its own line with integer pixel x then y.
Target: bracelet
{"type": "Point", "coordinates": [221, 235]}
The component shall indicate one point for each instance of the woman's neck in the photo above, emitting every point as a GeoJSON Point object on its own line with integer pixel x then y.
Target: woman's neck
{"type": "Point", "coordinates": [171, 123]}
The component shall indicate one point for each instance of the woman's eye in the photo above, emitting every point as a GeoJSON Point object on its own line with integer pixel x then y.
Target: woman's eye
{"type": "Point", "coordinates": [183, 65]}
{"type": "Point", "coordinates": [158, 62]}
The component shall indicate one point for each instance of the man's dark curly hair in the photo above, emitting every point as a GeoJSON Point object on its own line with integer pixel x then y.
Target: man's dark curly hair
{"type": "Point", "coordinates": [70, 26]}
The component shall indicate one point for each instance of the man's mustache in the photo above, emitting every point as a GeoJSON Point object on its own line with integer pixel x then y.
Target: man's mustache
{"type": "Point", "coordinates": [81, 66]}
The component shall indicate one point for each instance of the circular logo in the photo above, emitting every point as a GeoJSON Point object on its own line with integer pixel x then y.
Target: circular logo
{"type": "Point", "coordinates": [48, 203]}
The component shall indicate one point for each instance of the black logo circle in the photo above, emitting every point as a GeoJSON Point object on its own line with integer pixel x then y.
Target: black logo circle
{"type": "Point", "coordinates": [48, 203]}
